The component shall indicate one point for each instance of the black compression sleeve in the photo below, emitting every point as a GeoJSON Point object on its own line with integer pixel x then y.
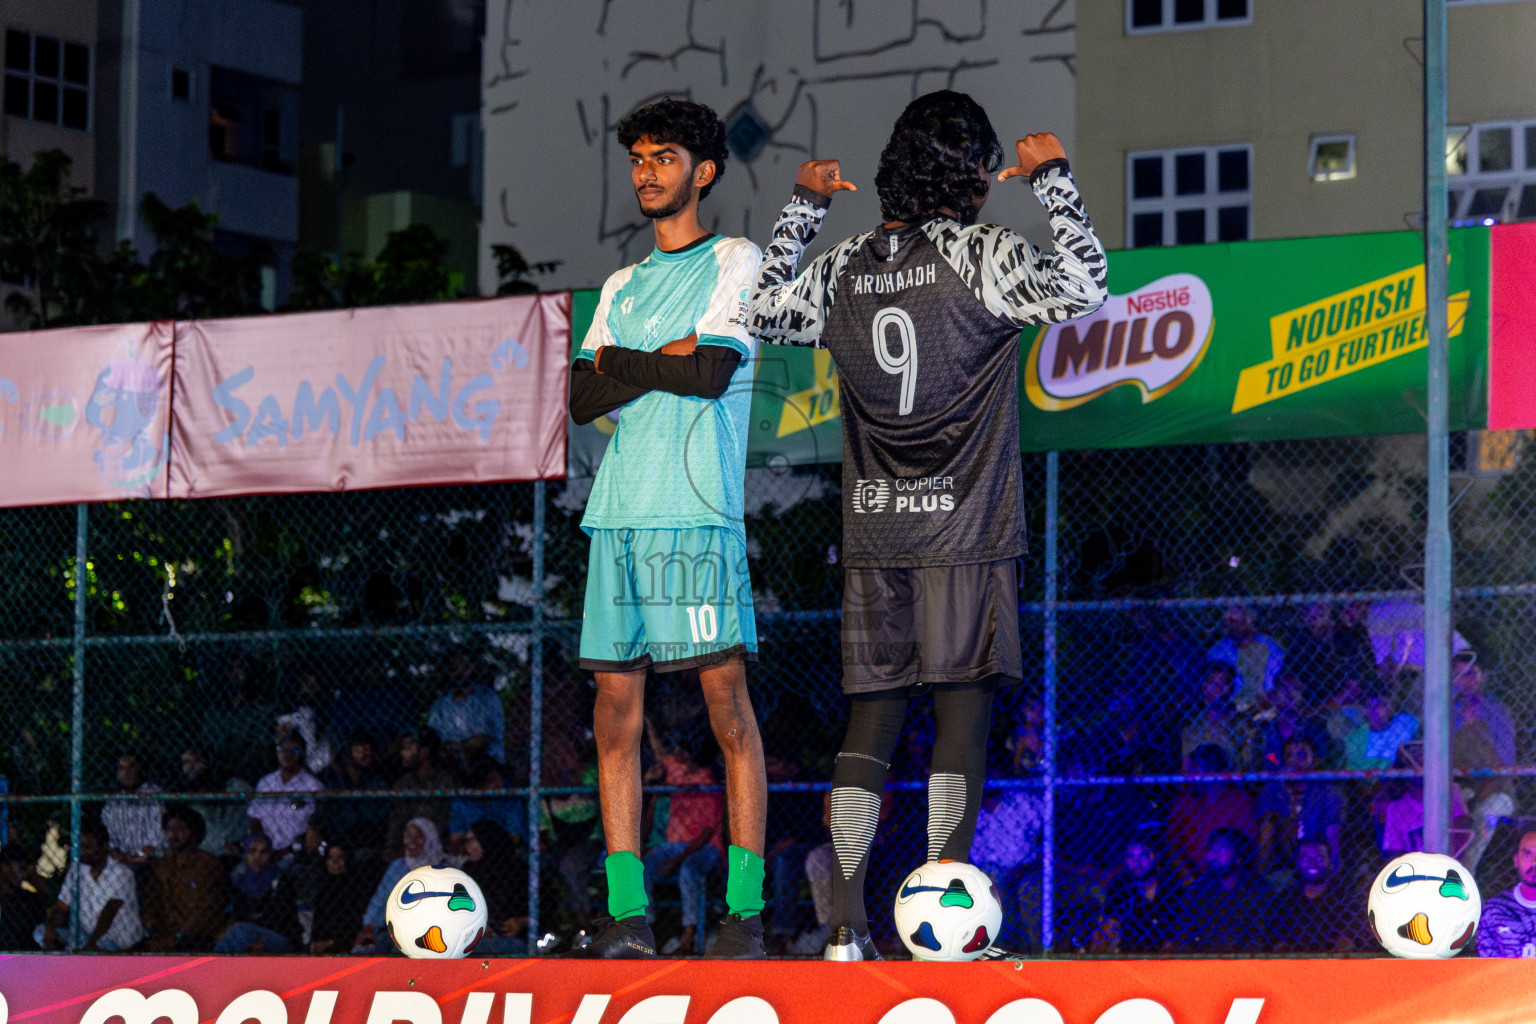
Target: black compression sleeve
{"type": "Point", "coordinates": [595, 394]}
{"type": "Point", "coordinates": [706, 373]}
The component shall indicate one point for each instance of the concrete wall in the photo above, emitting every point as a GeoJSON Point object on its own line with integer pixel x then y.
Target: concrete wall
{"type": "Point", "coordinates": [72, 21]}
{"type": "Point", "coordinates": [1302, 68]}
{"type": "Point", "coordinates": [827, 78]}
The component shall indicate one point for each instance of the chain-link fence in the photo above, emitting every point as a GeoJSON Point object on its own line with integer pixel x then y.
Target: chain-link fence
{"type": "Point", "coordinates": [1215, 746]}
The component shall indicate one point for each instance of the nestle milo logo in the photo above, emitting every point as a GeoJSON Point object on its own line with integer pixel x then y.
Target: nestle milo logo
{"type": "Point", "coordinates": [1152, 338]}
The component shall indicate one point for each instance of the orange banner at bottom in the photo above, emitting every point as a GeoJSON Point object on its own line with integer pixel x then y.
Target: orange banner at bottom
{"type": "Point", "coordinates": [48, 989]}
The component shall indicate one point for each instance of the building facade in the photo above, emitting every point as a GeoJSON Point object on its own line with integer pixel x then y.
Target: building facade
{"type": "Point", "coordinates": [1219, 120]}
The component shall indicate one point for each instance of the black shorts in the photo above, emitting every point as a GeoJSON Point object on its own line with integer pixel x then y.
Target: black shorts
{"type": "Point", "coordinates": [939, 624]}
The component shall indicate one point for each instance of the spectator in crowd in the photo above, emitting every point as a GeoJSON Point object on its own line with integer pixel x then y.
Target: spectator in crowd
{"type": "Point", "coordinates": [1396, 633]}
{"type": "Point", "coordinates": [308, 714]}
{"type": "Point", "coordinates": [369, 705]}
{"type": "Point", "coordinates": [1225, 910]}
{"type": "Point", "coordinates": [1321, 913]}
{"type": "Point", "coordinates": [306, 867]}
{"type": "Point", "coordinates": [1294, 811]}
{"type": "Point", "coordinates": [792, 831]}
{"type": "Point", "coordinates": [184, 895]}
{"type": "Point", "coordinates": [1163, 660]}
{"type": "Point", "coordinates": [1201, 809]}
{"type": "Point", "coordinates": [694, 849]}
{"type": "Point", "coordinates": [1376, 732]}
{"type": "Point", "coordinates": [133, 825]}
{"type": "Point", "coordinates": [1007, 848]}
{"type": "Point", "coordinates": [1488, 798]}
{"type": "Point", "coordinates": [282, 820]}
{"type": "Point", "coordinates": [1140, 906]}
{"type": "Point", "coordinates": [1401, 809]}
{"type": "Point", "coordinates": [421, 847]}
{"type": "Point", "coordinates": [1130, 741]}
{"type": "Point", "coordinates": [361, 822]}
{"type": "Point", "coordinates": [1026, 740]}
{"type": "Point", "coordinates": [1255, 657]}
{"type": "Point", "coordinates": [572, 821]}
{"type": "Point", "coordinates": [109, 900]}
{"type": "Point", "coordinates": [1219, 723]}
{"type": "Point", "coordinates": [1473, 703]}
{"type": "Point", "coordinates": [1323, 655]}
{"type": "Point", "coordinates": [1286, 717]}
{"type": "Point", "coordinates": [423, 773]}
{"type": "Point", "coordinates": [496, 862]}
{"type": "Point", "coordinates": [21, 901]}
{"type": "Point", "coordinates": [468, 717]}
{"type": "Point", "coordinates": [508, 812]}
{"type": "Point", "coordinates": [340, 898]}
{"type": "Point", "coordinates": [1508, 924]}
{"type": "Point", "coordinates": [225, 824]}
{"type": "Point", "coordinates": [264, 910]}
{"type": "Point", "coordinates": [233, 726]}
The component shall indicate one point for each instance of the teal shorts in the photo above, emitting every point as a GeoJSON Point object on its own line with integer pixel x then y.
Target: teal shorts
{"type": "Point", "coordinates": [673, 599]}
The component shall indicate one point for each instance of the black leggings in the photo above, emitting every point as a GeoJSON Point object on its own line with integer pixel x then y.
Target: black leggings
{"type": "Point", "coordinates": [963, 716]}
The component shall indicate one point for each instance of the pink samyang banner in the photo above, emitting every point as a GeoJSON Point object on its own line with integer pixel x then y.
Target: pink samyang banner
{"type": "Point", "coordinates": [84, 414]}
{"type": "Point", "coordinates": [458, 392]}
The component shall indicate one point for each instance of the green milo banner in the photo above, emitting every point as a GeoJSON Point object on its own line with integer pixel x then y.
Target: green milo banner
{"type": "Point", "coordinates": [1245, 341]}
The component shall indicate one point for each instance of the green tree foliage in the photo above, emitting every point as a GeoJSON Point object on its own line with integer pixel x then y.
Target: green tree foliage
{"type": "Point", "coordinates": [512, 271]}
{"type": "Point", "coordinates": [409, 269]}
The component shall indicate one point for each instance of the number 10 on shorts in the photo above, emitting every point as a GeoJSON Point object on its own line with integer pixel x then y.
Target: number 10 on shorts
{"type": "Point", "coordinates": [703, 624]}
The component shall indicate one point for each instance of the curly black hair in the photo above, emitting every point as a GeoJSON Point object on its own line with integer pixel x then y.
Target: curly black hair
{"type": "Point", "coordinates": [695, 127]}
{"type": "Point", "coordinates": [930, 164]}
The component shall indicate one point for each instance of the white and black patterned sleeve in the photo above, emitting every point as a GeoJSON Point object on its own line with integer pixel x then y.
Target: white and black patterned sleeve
{"type": "Point", "coordinates": [787, 310]}
{"type": "Point", "coordinates": [1017, 282]}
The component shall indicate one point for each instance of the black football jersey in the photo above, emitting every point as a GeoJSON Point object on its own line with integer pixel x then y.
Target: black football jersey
{"type": "Point", "coordinates": [923, 323]}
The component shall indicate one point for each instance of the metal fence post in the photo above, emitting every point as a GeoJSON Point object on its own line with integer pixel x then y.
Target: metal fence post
{"type": "Point", "coordinates": [77, 713]}
{"type": "Point", "coordinates": [1048, 838]}
{"type": "Point", "coordinates": [1437, 536]}
{"type": "Point", "coordinates": [535, 712]}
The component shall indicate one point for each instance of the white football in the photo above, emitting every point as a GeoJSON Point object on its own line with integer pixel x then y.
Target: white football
{"type": "Point", "coordinates": [948, 910]}
{"type": "Point", "coordinates": [436, 913]}
{"type": "Point", "coordinates": [1424, 906]}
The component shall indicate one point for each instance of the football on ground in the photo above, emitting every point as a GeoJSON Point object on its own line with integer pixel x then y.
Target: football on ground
{"type": "Point", "coordinates": [948, 910]}
{"type": "Point", "coordinates": [1424, 906]}
{"type": "Point", "coordinates": [436, 913]}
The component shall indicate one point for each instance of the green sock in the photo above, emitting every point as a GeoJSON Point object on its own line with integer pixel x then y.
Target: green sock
{"type": "Point", "coordinates": [743, 882]}
{"type": "Point", "coordinates": [626, 885]}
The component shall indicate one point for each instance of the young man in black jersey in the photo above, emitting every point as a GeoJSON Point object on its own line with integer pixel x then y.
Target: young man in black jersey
{"type": "Point", "coordinates": [922, 316]}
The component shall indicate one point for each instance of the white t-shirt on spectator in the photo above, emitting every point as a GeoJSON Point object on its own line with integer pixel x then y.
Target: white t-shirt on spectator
{"type": "Point", "coordinates": [283, 821]}
{"type": "Point", "coordinates": [114, 883]}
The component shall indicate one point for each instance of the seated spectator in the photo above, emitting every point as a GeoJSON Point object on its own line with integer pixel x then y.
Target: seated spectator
{"type": "Point", "coordinates": [1131, 740]}
{"type": "Point", "coordinates": [1322, 655]}
{"type": "Point", "coordinates": [508, 812]}
{"type": "Point", "coordinates": [306, 867]}
{"type": "Point", "coordinates": [341, 895]}
{"type": "Point", "coordinates": [1321, 913]}
{"type": "Point", "coordinates": [282, 821]}
{"type": "Point", "coordinates": [1218, 722]}
{"type": "Point", "coordinates": [1401, 809]}
{"type": "Point", "coordinates": [22, 906]}
{"type": "Point", "coordinates": [423, 773]}
{"type": "Point", "coordinates": [1508, 924]}
{"type": "Point", "coordinates": [1225, 910]}
{"type": "Point", "coordinates": [468, 718]}
{"type": "Point", "coordinates": [694, 848]}
{"type": "Point", "coordinates": [184, 895]}
{"type": "Point", "coordinates": [109, 900]}
{"type": "Point", "coordinates": [1376, 731]}
{"type": "Point", "coordinates": [1474, 703]}
{"type": "Point", "coordinates": [1295, 811]}
{"type": "Point", "coordinates": [1140, 907]}
{"type": "Point", "coordinates": [1256, 658]}
{"type": "Point", "coordinates": [1007, 848]}
{"type": "Point", "coordinates": [133, 825]}
{"type": "Point", "coordinates": [307, 711]}
{"type": "Point", "coordinates": [225, 824]}
{"type": "Point", "coordinates": [264, 912]}
{"type": "Point", "coordinates": [1285, 717]}
{"type": "Point", "coordinates": [421, 848]}
{"type": "Point", "coordinates": [497, 864]}
{"type": "Point", "coordinates": [1201, 809]}
{"type": "Point", "coordinates": [1488, 798]}
{"type": "Point", "coordinates": [360, 823]}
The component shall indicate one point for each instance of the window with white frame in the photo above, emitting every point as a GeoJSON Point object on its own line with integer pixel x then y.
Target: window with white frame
{"type": "Point", "coordinates": [1143, 16]}
{"type": "Point", "coordinates": [1189, 196]}
{"type": "Point", "coordinates": [1492, 172]}
{"type": "Point", "coordinates": [1332, 158]}
{"type": "Point", "coordinates": [47, 80]}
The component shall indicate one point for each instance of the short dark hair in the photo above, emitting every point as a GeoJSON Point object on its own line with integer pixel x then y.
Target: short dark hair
{"type": "Point", "coordinates": [96, 830]}
{"type": "Point", "coordinates": [481, 771]}
{"type": "Point", "coordinates": [930, 163]}
{"type": "Point", "coordinates": [1219, 666]}
{"type": "Point", "coordinates": [694, 126]}
{"type": "Point", "coordinates": [193, 820]}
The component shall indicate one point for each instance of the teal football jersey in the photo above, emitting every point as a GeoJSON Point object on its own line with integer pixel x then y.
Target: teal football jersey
{"type": "Point", "coordinates": [677, 462]}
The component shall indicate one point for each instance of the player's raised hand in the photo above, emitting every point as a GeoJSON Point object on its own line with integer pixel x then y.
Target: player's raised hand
{"type": "Point", "coordinates": [824, 176]}
{"type": "Point", "coordinates": [1033, 151]}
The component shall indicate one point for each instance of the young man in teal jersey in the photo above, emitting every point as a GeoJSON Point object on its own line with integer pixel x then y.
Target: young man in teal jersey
{"type": "Point", "coordinates": [667, 584]}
